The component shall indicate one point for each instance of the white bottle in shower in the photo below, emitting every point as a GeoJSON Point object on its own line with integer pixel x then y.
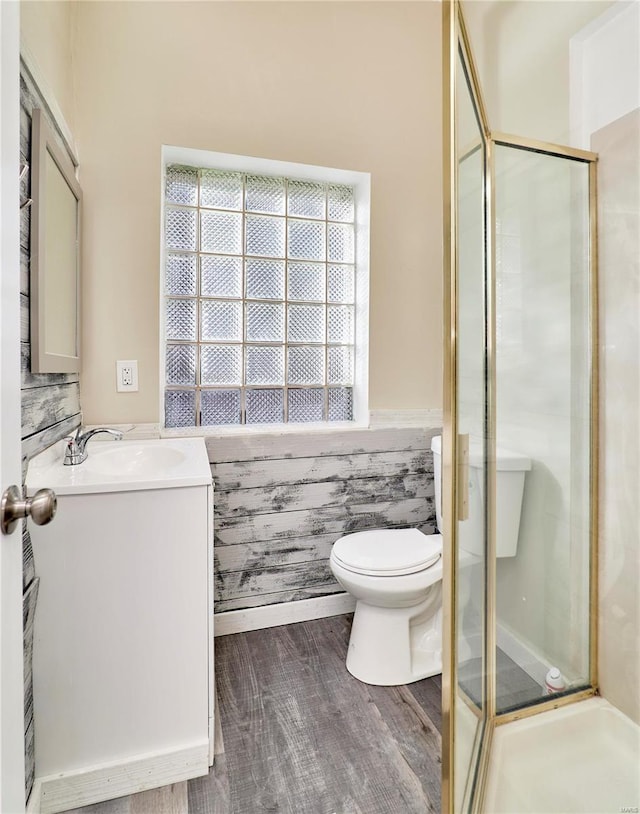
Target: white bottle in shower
{"type": "Point", "coordinates": [553, 681]}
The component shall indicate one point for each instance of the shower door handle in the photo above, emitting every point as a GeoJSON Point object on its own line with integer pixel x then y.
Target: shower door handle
{"type": "Point", "coordinates": [463, 477]}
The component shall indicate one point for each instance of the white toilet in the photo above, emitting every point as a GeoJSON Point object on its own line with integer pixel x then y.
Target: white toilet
{"type": "Point", "coordinates": [396, 577]}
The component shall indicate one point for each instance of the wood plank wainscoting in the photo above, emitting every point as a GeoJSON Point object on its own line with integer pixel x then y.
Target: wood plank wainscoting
{"type": "Point", "coordinates": [282, 500]}
{"type": "Point", "coordinates": [50, 401]}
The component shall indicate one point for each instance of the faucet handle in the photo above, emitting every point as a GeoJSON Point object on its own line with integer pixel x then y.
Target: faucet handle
{"type": "Point", "coordinates": [73, 455]}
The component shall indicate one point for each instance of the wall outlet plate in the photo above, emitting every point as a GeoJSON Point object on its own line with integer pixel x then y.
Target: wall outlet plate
{"type": "Point", "coordinates": [127, 376]}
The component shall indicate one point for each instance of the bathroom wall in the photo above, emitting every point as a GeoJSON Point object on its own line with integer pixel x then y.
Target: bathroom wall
{"type": "Point", "coordinates": [527, 89]}
{"type": "Point", "coordinates": [348, 85]}
{"type": "Point", "coordinates": [281, 501]}
{"type": "Point", "coordinates": [45, 32]}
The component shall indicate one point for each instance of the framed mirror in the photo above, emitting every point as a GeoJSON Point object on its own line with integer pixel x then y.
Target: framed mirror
{"type": "Point", "coordinates": [55, 254]}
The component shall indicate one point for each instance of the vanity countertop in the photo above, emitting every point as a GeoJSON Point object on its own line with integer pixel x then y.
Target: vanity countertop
{"type": "Point", "coordinates": [123, 466]}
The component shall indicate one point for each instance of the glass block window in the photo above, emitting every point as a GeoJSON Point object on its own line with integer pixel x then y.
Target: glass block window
{"type": "Point", "coordinates": [259, 299]}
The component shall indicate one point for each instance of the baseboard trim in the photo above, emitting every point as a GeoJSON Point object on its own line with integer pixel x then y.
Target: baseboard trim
{"type": "Point", "coordinates": [282, 613]}
{"type": "Point", "coordinates": [60, 792]}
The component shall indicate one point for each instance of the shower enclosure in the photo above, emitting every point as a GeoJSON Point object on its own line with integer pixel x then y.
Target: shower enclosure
{"type": "Point", "coordinates": [520, 378]}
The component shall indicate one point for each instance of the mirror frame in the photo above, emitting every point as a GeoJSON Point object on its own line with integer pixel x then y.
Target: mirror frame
{"type": "Point", "coordinates": [43, 141]}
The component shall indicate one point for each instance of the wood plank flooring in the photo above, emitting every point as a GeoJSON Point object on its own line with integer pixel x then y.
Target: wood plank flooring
{"type": "Point", "coordinates": [300, 735]}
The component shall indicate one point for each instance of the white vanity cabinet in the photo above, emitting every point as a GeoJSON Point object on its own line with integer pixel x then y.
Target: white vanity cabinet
{"type": "Point", "coordinates": [123, 650]}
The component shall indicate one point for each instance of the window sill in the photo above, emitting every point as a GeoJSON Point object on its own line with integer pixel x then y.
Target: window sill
{"type": "Point", "coordinates": [379, 419]}
{"type": "Point", "coordinates": [260, 429]}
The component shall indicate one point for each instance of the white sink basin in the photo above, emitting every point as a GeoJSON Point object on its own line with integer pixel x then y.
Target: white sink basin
{"type": "Point", "coordinates": [122, 466]}
{"type": "Point", "coordinates": [128, 458]}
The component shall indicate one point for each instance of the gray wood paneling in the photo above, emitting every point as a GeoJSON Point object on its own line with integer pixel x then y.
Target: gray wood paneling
{"type": "Point", "coordinates": [244, 602]}
{"type": "Point", "coordinates": [41, 440]}
{"type": "Point", "coordinates": [326, 493]}
{"type": "Point", "coordinates": [25, 215]}
{"type": "Point", "coordinates": [28, 569]}
{"type": "Point", "coordinates": [306, 445]}
{"type": "Point", "coordinates": [254, 556]}
{"type": "Point", "coordinates": [339, 519]}
{"type": "Point", "coordinates": [28, 614]}
{"type": "Point", "coordinates": [29, 379]}
{"type": "Point", "coordinates": [24, 318]}
{"type": "Point", "coordinates": [24, 271]}
{"type": "Point", "coordinates": [277, 578]}
{"type": "Point", "coordinates": [278, 513]}
{"type": "Point", "coordinates": [280, 471]}
{"type": "Point", "coordinates": [42, 407]}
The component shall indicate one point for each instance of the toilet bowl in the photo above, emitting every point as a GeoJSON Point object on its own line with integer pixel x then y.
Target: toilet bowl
{"type": "Point", "coordinates": [395, 575]}
{"type": "Point", "coordinates": [396, 578]}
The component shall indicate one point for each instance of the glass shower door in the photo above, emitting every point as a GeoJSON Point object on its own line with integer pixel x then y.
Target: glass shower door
{"type": "Point", "coordinates": [468, 440]}
{"type": "Point", "coordinates": [543, 398]}
{"type": "Point", "coordinates": [520, 408]}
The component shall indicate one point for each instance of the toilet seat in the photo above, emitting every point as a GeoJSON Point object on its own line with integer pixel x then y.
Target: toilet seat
{"type": "Point", "coordinates": [387, 553]}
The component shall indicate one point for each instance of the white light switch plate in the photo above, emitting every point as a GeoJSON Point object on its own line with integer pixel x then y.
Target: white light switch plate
{"type": "Point", "coordinates": [127, 376]}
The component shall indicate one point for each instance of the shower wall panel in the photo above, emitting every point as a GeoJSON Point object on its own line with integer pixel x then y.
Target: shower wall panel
{"type": "Point", "coordinates": [619, 220]}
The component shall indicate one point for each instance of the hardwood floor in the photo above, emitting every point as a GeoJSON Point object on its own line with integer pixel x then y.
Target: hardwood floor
{"type": "Point", "coordinates": [300, 735]}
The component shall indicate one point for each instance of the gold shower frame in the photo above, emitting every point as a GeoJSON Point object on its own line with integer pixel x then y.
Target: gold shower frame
{"type": "Point", "coordinates": [455, 37]}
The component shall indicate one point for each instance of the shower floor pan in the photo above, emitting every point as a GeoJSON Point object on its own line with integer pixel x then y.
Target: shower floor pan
{"type": "Point", "coordinates": [584, 758]}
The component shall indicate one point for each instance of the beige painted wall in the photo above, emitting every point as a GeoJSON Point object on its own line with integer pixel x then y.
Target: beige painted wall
{"type": "Point", "coordinates": [348, 85]}
{"type": "Point", "coordinates": [526, 89]}
{"type": "Point", "coordinates": [46, 31]}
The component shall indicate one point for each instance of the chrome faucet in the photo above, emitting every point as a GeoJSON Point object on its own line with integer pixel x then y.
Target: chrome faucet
{"type": "Point", "coordinates": [76, 451]}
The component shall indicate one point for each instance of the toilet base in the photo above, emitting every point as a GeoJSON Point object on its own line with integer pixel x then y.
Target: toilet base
{"type": "Point", "coordinates": [391, 646]}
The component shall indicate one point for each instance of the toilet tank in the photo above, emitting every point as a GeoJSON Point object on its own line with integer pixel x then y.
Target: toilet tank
{"type": "Point", "coordinates": [511, 468]}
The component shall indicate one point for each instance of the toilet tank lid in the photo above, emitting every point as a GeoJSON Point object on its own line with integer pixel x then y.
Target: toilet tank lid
{"type": "Point", "coordinates": [388, 552]}
{"type": "Point", "coordinates": [506, 459]}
